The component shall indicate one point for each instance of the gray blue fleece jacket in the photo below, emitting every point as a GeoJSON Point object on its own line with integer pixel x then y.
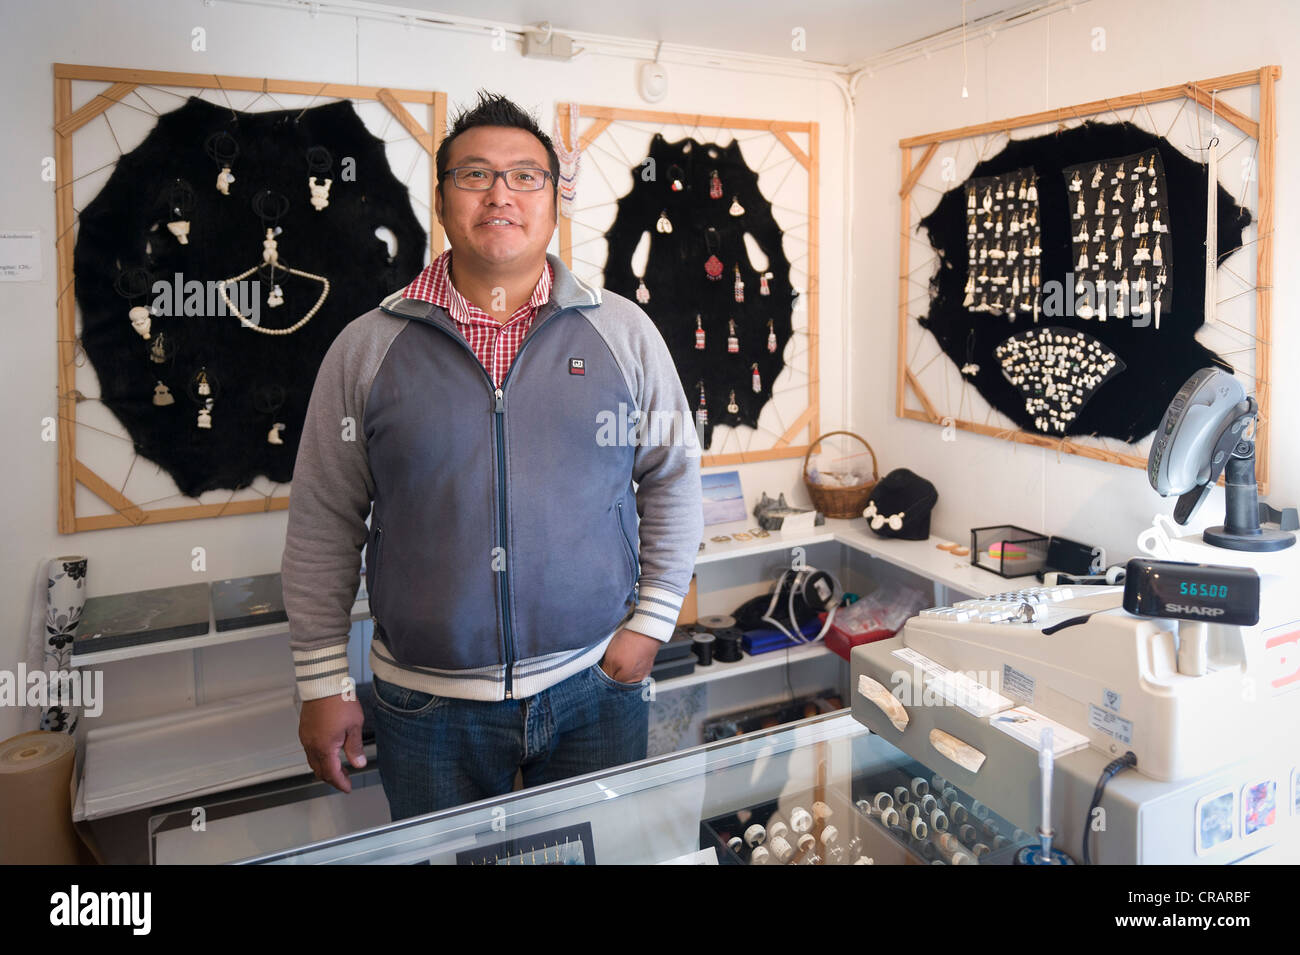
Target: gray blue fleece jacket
{"type": "Point", "coordinates": [514, 530]}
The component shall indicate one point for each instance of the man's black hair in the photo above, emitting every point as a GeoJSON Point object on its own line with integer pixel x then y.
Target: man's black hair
{"type": "Point", "coordinates": [493, 109]}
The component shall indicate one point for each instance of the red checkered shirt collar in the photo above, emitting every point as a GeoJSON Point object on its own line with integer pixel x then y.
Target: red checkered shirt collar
{"type": "Point", "coordinates": [433, 285]}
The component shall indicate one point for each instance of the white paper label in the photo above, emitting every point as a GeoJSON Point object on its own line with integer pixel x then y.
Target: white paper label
{"type": "Point", "coordinates": [920, 661]}
{"type": "Point", "coordinates": [20, 256]}
{"type": "Point", "coordinates": [975, 698]}
{"type": "Point", "coordinates": [1110, 724]}
{"type": "Point", "coordinates": [1018, 684]}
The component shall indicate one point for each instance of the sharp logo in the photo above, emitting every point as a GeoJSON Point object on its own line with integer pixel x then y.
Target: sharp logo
{"type": "Point", "coordinates": [1195, 610]}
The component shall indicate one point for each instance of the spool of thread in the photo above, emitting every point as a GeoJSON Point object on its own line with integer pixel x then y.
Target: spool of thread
{"type": "Point", "coordinates": [716, 622]}
{"type": "Point", "coordinates": [728, 648]}
{"type": "Point", "coordinates": [703, 646]}
{"type": "Point", "coordinates": [35, 804]}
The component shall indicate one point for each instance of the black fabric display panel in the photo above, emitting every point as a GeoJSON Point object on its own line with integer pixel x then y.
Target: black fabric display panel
{"type": "Point", "coordinates": [1146, 365]}
{"type": "Point", "coordinates": [256, 380]}
{"type": "Point", "coordinates": [680, 287]}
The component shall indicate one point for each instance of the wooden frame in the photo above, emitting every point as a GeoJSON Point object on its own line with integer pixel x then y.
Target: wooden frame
{"type": "Point", "coordinates": [604, 115]}
{"type": "Point", "coordinates": [66, 123]}
{"type": "Point", "coordinates": [1263, 130]}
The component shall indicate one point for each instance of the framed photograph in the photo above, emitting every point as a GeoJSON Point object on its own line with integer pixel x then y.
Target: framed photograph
{"type": "Point", "coordinates": [723, 499]}
{"type": "Point", "coordinates": [570, 845]}
{"type": "Point", "coordinates": [1258, 807]}
{"type": "Point", "coordinates": [1215, 820]}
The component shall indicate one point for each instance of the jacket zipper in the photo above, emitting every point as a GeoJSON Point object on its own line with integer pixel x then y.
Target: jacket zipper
{"type": "Point", "coordinates": [374, 568]}
{"type": "Point", "coordinates": [498, 413]}
{"type": "Point", "coordinates": [636, 581]}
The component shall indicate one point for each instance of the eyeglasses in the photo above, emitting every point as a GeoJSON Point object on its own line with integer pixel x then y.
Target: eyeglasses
{"type": "Point", "coordinates": [481, 179]}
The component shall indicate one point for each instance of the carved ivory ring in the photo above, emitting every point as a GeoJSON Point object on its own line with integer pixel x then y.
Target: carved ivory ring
{"type": "Point", "coordinates": [755, 835]}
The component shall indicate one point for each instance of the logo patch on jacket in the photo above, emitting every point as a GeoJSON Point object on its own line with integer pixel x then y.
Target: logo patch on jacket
{"type": "Point", "coordinates": [577, 366]}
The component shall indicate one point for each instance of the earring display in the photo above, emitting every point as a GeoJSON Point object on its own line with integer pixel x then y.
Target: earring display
{"type": "Point", "coordinates": [252, 293]}
{"type": "Point", "coordinates": [1107, 266]}
{"type": "Point", "coordinates": [1011, 198]}
{"type": "Point", "coordinates": [1124, 209]}
{"type": "Point", "coordinates": [717, 277]}
{"type": "Point", "coordinates": [1057, 370]}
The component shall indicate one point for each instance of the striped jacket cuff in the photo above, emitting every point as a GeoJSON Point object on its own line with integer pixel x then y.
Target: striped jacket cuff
{"type": "Point", "coordinates": [656, 612]}
{"type": "Point", "coordinates": [322, 671]}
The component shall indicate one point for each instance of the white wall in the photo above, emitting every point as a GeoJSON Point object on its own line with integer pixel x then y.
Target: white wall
{"type": "Point", "coordinates": [1049, 64]}
{"type": "Point", "coordinates": [255, 41]}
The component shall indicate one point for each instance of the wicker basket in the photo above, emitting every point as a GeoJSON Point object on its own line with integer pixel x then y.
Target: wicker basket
{"type": "Point", "coordinates": [842, 502]}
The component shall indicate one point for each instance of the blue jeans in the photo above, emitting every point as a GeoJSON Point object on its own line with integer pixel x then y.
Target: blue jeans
{"type": "Point", "coordinates": [436, 752]}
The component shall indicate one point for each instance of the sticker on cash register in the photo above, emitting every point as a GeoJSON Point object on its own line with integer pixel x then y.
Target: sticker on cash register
{"type": "Point", "coordinates": [959, 689]}
{"type": "Point", "coordinates": [1027, 725]}
{"type": "Point", "coordinates": [1017, 683]}
{"type": "Point", "coordinates": [1110, 724]}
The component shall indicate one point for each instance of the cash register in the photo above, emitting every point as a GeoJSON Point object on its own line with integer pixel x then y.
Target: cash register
{"type": "Point", "coordinates": [1153, 722]}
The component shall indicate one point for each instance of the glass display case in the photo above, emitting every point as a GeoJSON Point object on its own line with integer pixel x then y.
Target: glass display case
{"type": "Point", "coordinates": [821, 791]}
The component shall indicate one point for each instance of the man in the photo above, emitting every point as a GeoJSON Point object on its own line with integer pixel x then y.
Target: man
{"type": "Point", "coordinates": [515, 618]}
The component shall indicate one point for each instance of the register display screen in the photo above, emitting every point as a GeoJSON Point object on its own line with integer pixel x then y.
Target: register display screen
{"type": "Point", "coordinates": [1208, 592]}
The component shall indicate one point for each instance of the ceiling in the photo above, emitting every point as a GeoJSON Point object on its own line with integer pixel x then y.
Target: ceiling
{"type": "Point", "coordinates": [837, 31]}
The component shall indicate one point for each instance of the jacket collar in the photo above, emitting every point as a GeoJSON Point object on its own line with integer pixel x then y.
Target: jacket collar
{"type": "Point", "coordinates": [567, 291]}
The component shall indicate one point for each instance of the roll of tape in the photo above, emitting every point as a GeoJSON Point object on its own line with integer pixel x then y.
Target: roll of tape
{"type": "Point", "coordinates": [35, 802]}
{"type": "Point", "coordinates": [716, 622]}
